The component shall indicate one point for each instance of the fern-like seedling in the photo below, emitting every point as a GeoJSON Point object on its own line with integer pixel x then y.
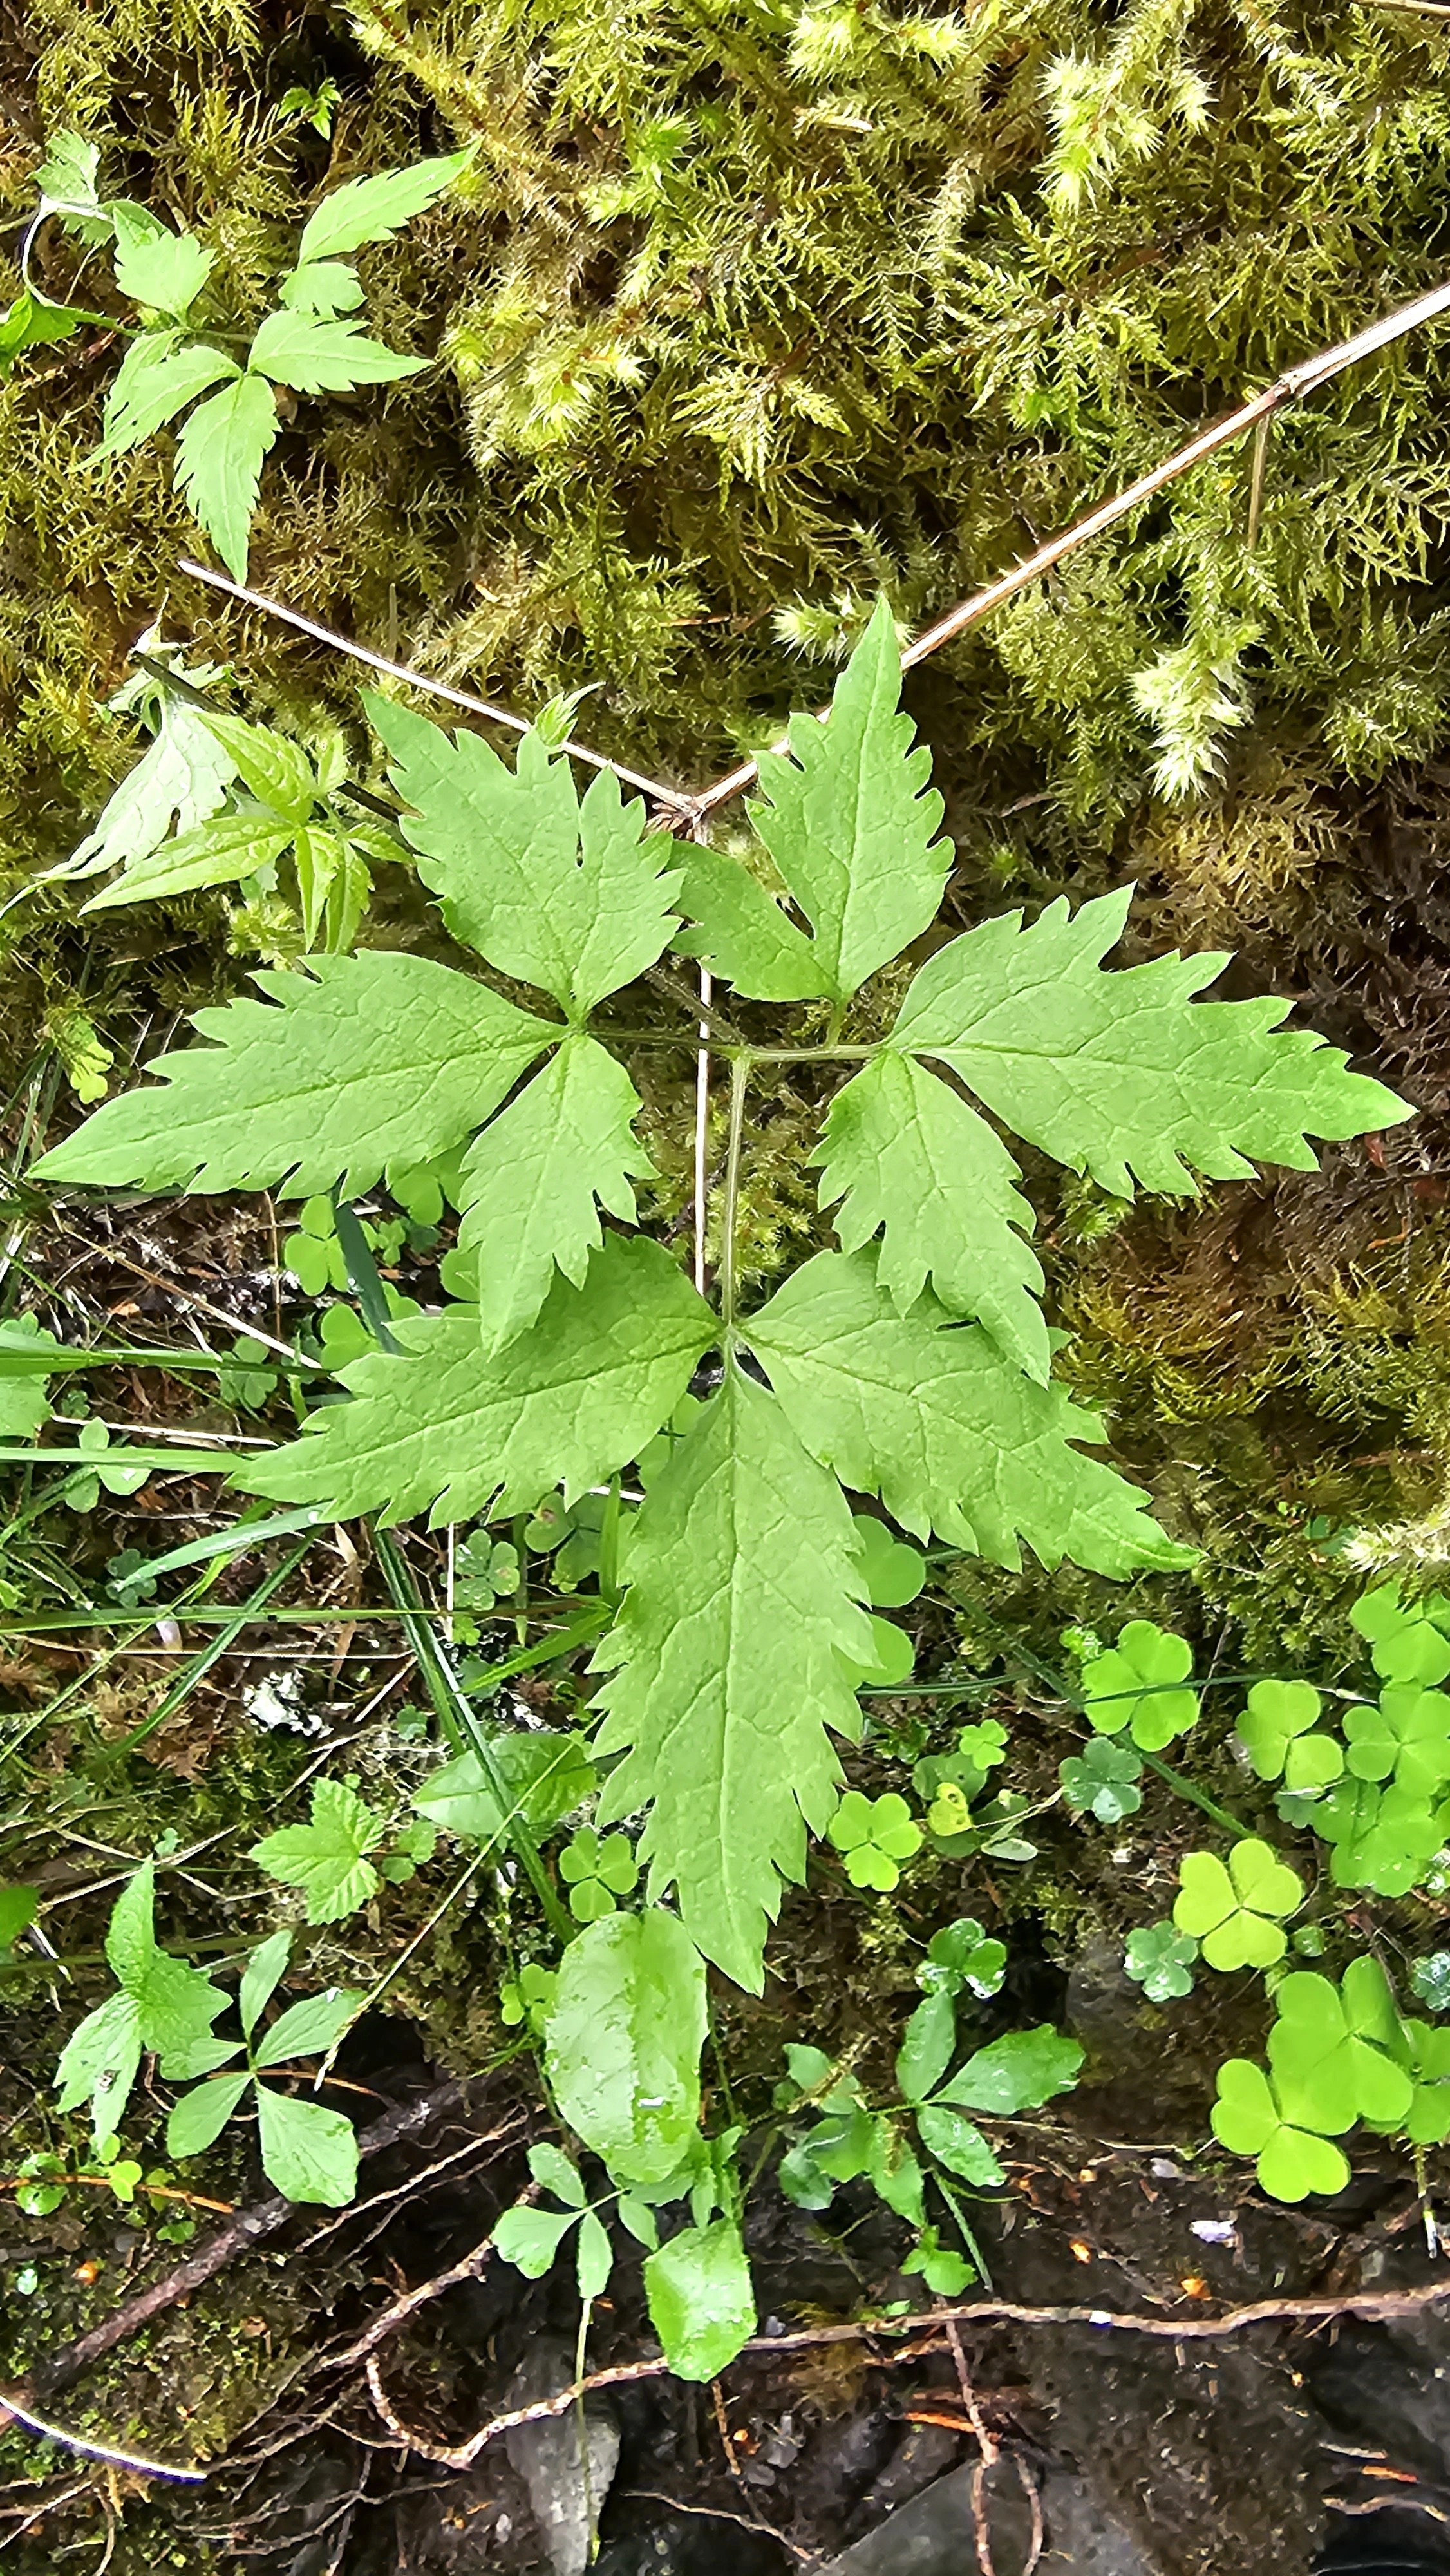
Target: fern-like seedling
{"type": "Point", "coordinates": [911, 1364]}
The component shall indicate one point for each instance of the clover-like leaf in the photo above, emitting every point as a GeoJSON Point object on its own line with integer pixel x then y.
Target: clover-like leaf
{"type": "Point", "coordinates": [1248, 2118]}
{"type": "Point", "coordinates": [1333, 2049]}
{"type": "Point", "coordinates": [1102, 1780]}
{"type": "Point", "coordinates": [597, 1870]}
{"type": "Point", "coordinates": [1136, 1686]}
{"type": "Point", "coordinates": [1406, 1738]}
{"type": "Point", "coordinates": [874, 1836]}
{"type": "Point", "coordinates": [1382, 1838]}
{"type": "Point", "coordinates": [1236, 1913]}
{"type": "Point", "coordinates": [1160, 1960]}
{"type": "Point", "coordinates": [1276, 1733]}
{"type": "Point", "coordinates": [963, 1954]}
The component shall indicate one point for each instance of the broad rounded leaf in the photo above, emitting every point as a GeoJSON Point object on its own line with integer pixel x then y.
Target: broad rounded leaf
{"type": "Point", "coordinates": [1016, 2073]}
{"type": "Point", "coordinates": [200, 2116]}
{"type": "Point", "coordinates": [701, 2302]}
{"type": "Point", "coordinates": [958, 2144]}
{"type": "Point", "coordinates": [623, 2042]}
{"type": "Point", "coordinates": [309, 2152]}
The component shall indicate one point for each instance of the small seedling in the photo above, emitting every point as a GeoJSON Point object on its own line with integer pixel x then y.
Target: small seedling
{"type": "Point", "coordinates": [1102, 1781]}
{"type": "Point", "coordinates": [1236, 1913]}
{"type": "Point", "coordinates": [597, 1870]}
{"type": "Point", "coordinates": [1160, 1959]}
{"type": "Point", "coordinates": [1136, 1687]}
{"type": "Point", "coordinates": [874, 1836]}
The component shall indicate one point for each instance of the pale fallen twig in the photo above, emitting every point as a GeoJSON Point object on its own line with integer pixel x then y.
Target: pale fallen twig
{"type": "Point", "coordinates": [12, 2411]}
{"type": "Point", "coordinates": [1370, 2304]}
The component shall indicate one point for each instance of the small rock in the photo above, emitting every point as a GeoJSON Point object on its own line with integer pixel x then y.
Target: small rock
{"type": "Point", "coordinates": [550, 2458]}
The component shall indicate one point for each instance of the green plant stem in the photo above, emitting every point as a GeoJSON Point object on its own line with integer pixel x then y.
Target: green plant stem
{"type": "Point", "coordinates": [1196, 1797]}
{"type": "Point", "coordinates": [966, 2233]}
{"type": "Point", "coordinates": [739, 1078]}
{"type": "Point", "coordinates": [459, 1722]}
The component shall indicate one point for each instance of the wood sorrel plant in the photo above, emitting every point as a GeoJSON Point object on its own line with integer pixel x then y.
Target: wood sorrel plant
{"type": "Point", "coordinates": [912, 1364]}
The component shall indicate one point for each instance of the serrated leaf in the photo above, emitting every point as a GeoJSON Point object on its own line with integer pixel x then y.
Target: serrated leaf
{"type": "Point", "coordinates": [737, 929]}
{"type": "Point", "coordinates": [32, 322]}
{"type": "Point", "coordinates": [99, 2063]}
{"type": "Point", "coordinates": [270, 765]}
{"type": "Point", "coordinates": [26, 1349]}
{"type": "Point", "coordinates": [326, 1857]}
{"type": "Point", "coordinates": [701, 2302]}
{"type": "Point", "coordinates": [317, 355]}
{"type": "Point", "coordinates": [622, 2042]}
{"type": "Point", "coordinates": [219, 852]}
{"type": "Point", "coordinates": [309, 2153]}
{"type": "Point", "coordinates": [907, 1157]}
{"type": "Point", "coordinates": [727, 1669]}
{"type": "Point", "coordinates": [198, 2118]}
{"type": "Point", "coordinates": [370, 210]}
{"type": "Point", "coordinates": [68, 180]}
{"type": "Point", "coordinates": [573, 898]}
{"type": "Point", "coordinates": [181, 778]}
{"type": "Point", "coordinates": [156, 266]}
{"type": "Point", "coordinates": [531, 1180]}
{"type": "Point", "coordinates": [312, 2027]}
{"type": "Point", "coordinates": [322, 286]}
{"type": "Point", "coordinates": [851, 820]}
{"type": "Point", "coordinates": [219, 463]}
{"type": "Point", "coordinates": [368, 1059]}
{"type": "Point", "coordinates": [1017, 2073]}
{"type": "Point", "coordinates": [159, 375]}
{"type": "Point", "coordinates": [1120, 1073]}
{"type": "Point", "coordinates": [930, 1416]}
{"type": "Point", "coordinates": [262, 1976]}
{"type": "Point", "coordinates": [476, 1433]}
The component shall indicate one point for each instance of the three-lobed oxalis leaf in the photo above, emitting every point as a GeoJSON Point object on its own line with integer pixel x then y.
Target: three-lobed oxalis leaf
{"type": "Point", "coordinates": [912, 1364]}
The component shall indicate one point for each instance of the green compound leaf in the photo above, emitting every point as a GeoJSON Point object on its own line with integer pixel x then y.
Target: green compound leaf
{"type": "Point", "coordinates": [622, 2043]}
{"type": "Point", "coordinates": [309, 2153]}
{"type": "Point", "coordinates": [573, 898]}
{"type": "Point", "coordinates": [851, 820]}
{"type": "Point", "coordinates": [904, 1154]}
{"type": "Point", "coordinates": [219, 464]}
{"type": "Point", "coordinates": [597, 1870]}
{"type": "Point", "coordinates": [1160, 1960]}
{"type": "Point", "coordinates": [530, 1183]}
{"type": "Point", "coordinates": [962, 1954]}
{"type": "Point", "coordinates": [317, 356]}
{"type": "Point", "coordinates": [33, 322]}
{"type": "Point", "coordinates": [1427, 2123]}
{"type": "Point", "coordinates": [441, 1422]}
{"type": "Point", "coordinates": [726, 1669]}
{"type": "Point", "coordinates": [930, 1416]}
{"type": "Point", "coordinates": [1120, 1073]}
{"type": "Point", "coordinates": [1017, 2073]}
{"type": "Point", "coordinates": [155, 266]}
{"type": "Point", "coordinates": [159, 375]}
{"type": "Point", "coordinates": [327, 1856]}
{"type": "Point", "coordinates": [1328, 2050]}
{"type": "Point", "coordinates": [1406, 1738]}
{"type": "Point", "coordinates": [1249, 2120]}
{"type": "Point", "coordinates": [1135, 1686]}
{"type": "Point", "coordinates": [1430, 1980]}
{"type": "Point", "coordinates": [739, 931]}
{"type": "Point", "coordinates": [1275, 1732]}
{"type": "Point", "coordinates": [365, 1060]}
{"type": "Point", "coordinates": [372, 210]}
{"type": "Point", "coordinates": [701, 2302]}
{"type": "Point", "coordinates": [1236, 1913]}
{"type": "Point", "coordinates": [1382, 1838]}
